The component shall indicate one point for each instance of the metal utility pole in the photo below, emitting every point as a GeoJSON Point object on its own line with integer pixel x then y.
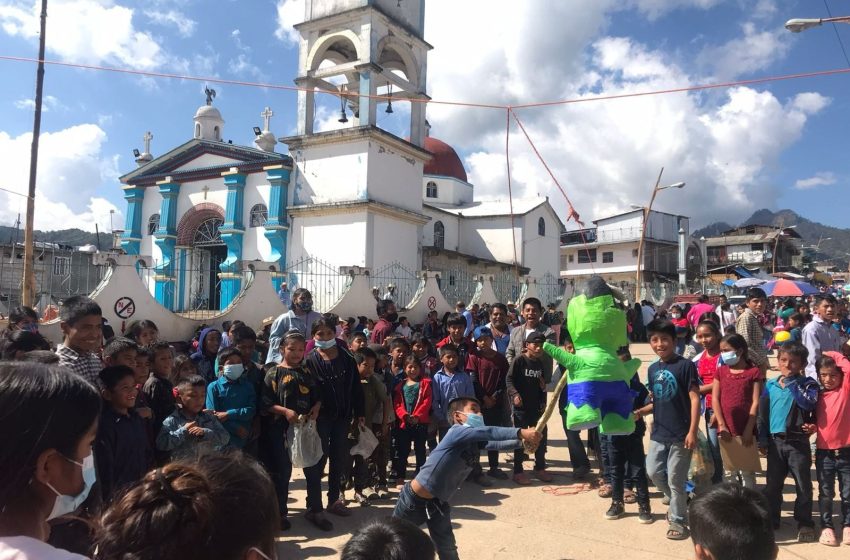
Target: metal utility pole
{"type": "Point", "coordinates": [28, 291]}
{"type": "Point", "coordinates": [646, 212]}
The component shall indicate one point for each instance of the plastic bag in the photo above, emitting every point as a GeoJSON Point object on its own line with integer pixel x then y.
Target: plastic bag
{"type": "Point", "coordinates": [702, 463]}
{"type": "Point", "coordinates": [305, 445]}
{"type": "Point", "coordinates": [366, 443]}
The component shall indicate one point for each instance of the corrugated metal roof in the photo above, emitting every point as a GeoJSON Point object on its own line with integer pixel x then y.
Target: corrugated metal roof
{"type": "Point", "coordinates": [740, 239]}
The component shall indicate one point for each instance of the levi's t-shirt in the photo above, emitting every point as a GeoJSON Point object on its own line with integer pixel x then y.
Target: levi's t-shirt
{"type": "Point", "coordinates": [669, 383]}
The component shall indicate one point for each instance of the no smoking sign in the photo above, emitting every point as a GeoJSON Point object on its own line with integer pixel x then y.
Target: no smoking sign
{"type": "Point", "coordinates": [125, 308]}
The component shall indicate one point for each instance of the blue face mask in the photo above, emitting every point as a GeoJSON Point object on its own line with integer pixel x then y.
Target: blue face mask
{"type": "Point", "coordinates": [325, 344]}
{"type": "Point", "coordinates": [69, 504]}
{"type": "Point", "coordinates": [233, 371]}
{"type": "Point", "coordinates": [474, 420]}
{"type": "Point", "coordinates": [305, 305]}
{"type": "Point", "coordinates": [729, 358]}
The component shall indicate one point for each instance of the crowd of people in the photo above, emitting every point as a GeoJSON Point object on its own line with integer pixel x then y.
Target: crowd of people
{"type": "Point", "coordinates": [131, 446]}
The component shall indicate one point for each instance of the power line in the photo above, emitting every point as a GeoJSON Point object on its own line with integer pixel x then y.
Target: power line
{"type": "Point", "coordinates": [837, 34]}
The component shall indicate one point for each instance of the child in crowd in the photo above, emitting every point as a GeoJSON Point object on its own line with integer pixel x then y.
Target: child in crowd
{"type": "Point", "coordinates": [674, 386]}
{"type": "Point", "coordinates": [388, 539]}
{"type": "Point", "coordinates": [449, 383]}
{"type": "Point", "coordinates": [832, 458]}
{"type": "Point", "coordinates": [374, 398]}
{"type": "Point", "coordinates": [81, 320]}
{"type": "Point", "coordinates": [399, 351]}
{"type": "Point", "coordinates": [122, 450]}
{"type": "Point", "coordinates": [626, 458]}
{"type": "Point", "coordinates": [421, 349]}
{"type": "Point", "coordinates": [158, 388]}
{"type": "Point", "coordinates": [708, 336]}
{"type": "Point", "coordinates": [489, 371]}
{"type": "Point", "coordinates": [120, 351]}
{"type": "Point", "coordinates": [143, 332]}
{"type": "Point", "coordinates": [290, 395]}
{"type": "Point", "coordinates": [456, 326]}
{"type": "Point", "coordinates": [209, 342]}
{"type": "Point", "coordinates": [424, 500]}
{"type": "Point", "coordinates": [736, 389]}
{"type": "Point", "coordinates": [232, 397]}
{"type": "Point", "coordinates": [184, 368]}
{"type": "Point", "coordinates": [794, 326]}
{"type": "Point", "coordinates": [412, 401]}
{"type": "Point", "coordinates": [730, 522]}
{"type": "Point", "coordinates": [527, 392]}
{"type": "Point", "coordinates": [244, 339]}
{"type": "Point", "coordinates": [403, 327]}
{"type": "Point", "coordinates": [786, 420]}
{"type": "Point", "coordinates": [357, 341]}
{"type": "Point", "coordinates": [749, 326]}
{"type": "Point", "coordinates": [683, 330]}
{"type": "Point", "coordinates": [189, 431]}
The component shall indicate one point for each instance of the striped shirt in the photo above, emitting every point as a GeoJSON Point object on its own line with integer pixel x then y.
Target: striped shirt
{"type": "Point", "coordinates": [87, 365]}
{"type": "Point", "coordinates": [749, 327]}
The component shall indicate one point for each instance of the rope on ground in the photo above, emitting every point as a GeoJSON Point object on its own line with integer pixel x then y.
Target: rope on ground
{"type": "Point", "coordinates": [570, 489]}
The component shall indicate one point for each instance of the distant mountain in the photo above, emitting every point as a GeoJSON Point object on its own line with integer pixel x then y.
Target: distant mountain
{"type": "Point", "coordinates": [73, 237]}
{"type": "Point", "coordinates": [832, 243]}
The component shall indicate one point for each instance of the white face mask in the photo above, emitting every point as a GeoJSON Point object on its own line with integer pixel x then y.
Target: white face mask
{"type": "Point", "coordinates": [67, 504]}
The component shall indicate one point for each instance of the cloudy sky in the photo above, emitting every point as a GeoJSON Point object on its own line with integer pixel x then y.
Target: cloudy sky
{"type": "Point", "coordinates": [776, 145]}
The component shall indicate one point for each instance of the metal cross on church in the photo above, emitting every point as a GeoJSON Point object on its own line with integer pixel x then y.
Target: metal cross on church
{"type": "Point", "coordinates": [147, 139]}
{"type": "Point", "coordinates": [267, 115]}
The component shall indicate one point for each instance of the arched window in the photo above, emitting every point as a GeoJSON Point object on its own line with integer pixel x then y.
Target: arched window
{"type": "Point", "coordinates": [197, 130]}
{"type": "Point", "coordinates": [153, 224]}
{"type": "Point", "coordinates": [541, 227]}
{"type": "Point", "coordinates": [431, 190]}
{"type": "Point", "coordinates": [439, 235]}
{"type": "Point", "coordinates": [259, 215]}
{"type": "Point", "coordinates": [217, 133]}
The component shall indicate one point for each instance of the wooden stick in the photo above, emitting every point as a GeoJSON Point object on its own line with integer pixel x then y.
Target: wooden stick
{"type": "Point", "coordinates": [547, 413]}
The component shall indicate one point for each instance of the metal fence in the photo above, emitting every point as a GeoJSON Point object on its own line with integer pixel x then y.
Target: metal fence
{"type": "Point", "coordinates": [396, 282]}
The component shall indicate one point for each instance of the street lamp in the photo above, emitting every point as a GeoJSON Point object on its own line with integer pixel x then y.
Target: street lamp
{"type": "Point", "coordinates": [646, 212]}
{"type": "Point", "coordinates": [797, 25]}
{"type": "Point", "coordinates": [776, 244]}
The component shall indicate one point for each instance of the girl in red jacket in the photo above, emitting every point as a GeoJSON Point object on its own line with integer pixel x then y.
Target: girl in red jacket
{"type": "Point", "coordinates": [412, 403]}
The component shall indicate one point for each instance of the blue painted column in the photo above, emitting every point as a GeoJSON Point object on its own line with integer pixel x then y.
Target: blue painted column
{"type": "Point", "coordinates": [181, 278]}
{"type": "Point", "coordinates": [131, 239]}
{"type": "Point", "coordinates": [277, 226]}
{"type": "Point", "coordinates": [231, 233]}
{"type": "Point", "coordinates": [166, 238]}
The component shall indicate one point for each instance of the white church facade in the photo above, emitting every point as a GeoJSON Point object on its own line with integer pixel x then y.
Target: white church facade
{"type": "Point", "coordinates": [355, 197]}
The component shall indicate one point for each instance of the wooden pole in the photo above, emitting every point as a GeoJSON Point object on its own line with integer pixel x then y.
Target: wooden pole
{"type": "Point", "coordinates": [29, 277]}
{"type": "Point", "coordinates": [646, 212]}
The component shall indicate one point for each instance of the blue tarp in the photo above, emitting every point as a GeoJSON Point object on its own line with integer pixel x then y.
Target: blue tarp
{"type": "Point", "coordinates": [743, 272]}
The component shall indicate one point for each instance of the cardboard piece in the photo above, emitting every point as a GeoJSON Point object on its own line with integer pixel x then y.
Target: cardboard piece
{"type": "Point", "coordinates": [737, 457]}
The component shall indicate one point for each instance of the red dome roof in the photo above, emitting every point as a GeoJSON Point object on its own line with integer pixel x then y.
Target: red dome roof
{"type": "Point", "coordinates": [445, 162]}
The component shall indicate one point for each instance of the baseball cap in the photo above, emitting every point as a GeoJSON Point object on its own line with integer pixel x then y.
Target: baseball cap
{"type": "Point", "coordinates": [536, 338]}
{"type": "Point", "coordinates": [481, 331]}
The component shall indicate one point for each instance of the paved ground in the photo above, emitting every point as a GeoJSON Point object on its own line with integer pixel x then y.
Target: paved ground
{"type": "Point", "coordinates": [509, 522]}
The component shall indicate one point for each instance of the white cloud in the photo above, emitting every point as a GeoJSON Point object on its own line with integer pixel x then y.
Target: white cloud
{"type": "Point", "coordinates": [754, 50]}
{"type": "Point", "coordinates": [48, 103]}
{"type": "Point", "coordinates": [173, 18]}
{"type": "Point", "coordinates": [289, 13]}
{"type": "Point", "coordinates": [85, 31]}
{"type": "Point", "coordinates": [242, 65]}
{"type": "Point", "coordinates": [819, 179]}
{"type": "Point", "coordinates": [606, 154]}
{"type": "Point", "coordinates": [71, 167]}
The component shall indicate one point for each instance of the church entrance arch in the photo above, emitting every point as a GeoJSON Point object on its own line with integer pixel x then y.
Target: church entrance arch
{"type": "Point", "coordinates": [199, 236]}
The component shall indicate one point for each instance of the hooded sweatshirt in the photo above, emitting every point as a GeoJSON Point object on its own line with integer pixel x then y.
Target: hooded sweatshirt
{"type": "Point", "coordinates": [204, 362]}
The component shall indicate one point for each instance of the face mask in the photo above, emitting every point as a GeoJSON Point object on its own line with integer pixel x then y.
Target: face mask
{"type": "Point", "coordinates": [474, 420]}
{"type": "Point", "coordinates": [392, 317]}
{"type": "Point", "coordinates": [233, 371]}
{"type": "Point", "coordinates": [30, 327]}
{"type": "Point", "coordinates": [729, 358]}
{"type": "Point", "coordinates": [676, 315]}
{"type": "Point", "coordinates": [325, 344]}
{"type": "Point", "coordinates": [306, 305]}
{"type": "Point", "coordinates": [68, 504]}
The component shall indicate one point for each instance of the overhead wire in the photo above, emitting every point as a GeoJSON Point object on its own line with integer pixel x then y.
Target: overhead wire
{"type": "Point", "coordinates": [837, 34]}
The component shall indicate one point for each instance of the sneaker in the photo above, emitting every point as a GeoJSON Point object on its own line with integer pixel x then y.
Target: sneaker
{"type": "Point", "coordinates": [645, 514]}
{"type": "Point", "coordinates": [665, 500]}
{"type": "Point", "coordinates": [285, 525]}
{"type": "Point", "coordinates": [359, 498]}
{"type": "Point", "coordinates": [827, 537]}
{"type": "Point", "coordinates": [616, 511]}
{"type": "Point", "coordinates": [845, 536]}
{"type": "Point", "coordinates": [498, 474]}
{"type": "Point", "coordinates": [370, 494]}
{"type": "Point", "coordinates": [482, 480]}
{"type": "Point", "coordinates": [522, 479]}
{"type": "Point", "coordinates": [382, 491]}
{"type": "Point", "coordinates": [318, 519]}
{"type": "Point", "coordinates": [806, 534]}
{"type": "Point", "coordinates": [339, 508]}
{"type": "Point", "coordinates": [543, 476]}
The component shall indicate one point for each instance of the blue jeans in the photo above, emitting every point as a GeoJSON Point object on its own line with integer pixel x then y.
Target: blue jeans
{"type": "Point", "coordinates": [832, 464]}
{"type": "Point", "coordinates": [714, 445]}
{"type": "Point", "coordinates": [435, 514]}
{"type": "Point", "coordinates": [334, 434]}
{"type": "Point", "coordinates": [667, 464]}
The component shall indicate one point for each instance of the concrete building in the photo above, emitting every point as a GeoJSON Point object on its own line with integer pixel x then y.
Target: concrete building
{"type": "Point", "coordinates": [752, 249]}
{"type": "Point", "coordinates": [611, 248]}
